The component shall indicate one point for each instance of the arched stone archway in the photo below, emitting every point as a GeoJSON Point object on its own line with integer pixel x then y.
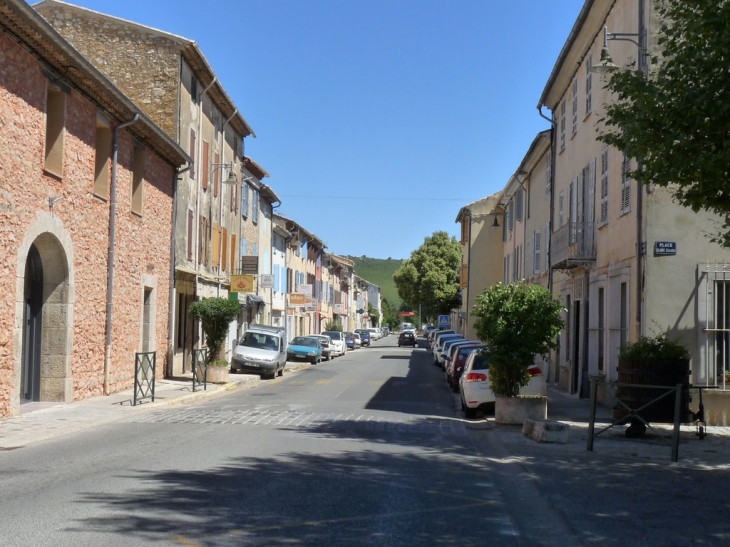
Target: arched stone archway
{"type": "Point", "coordinates": [44, 322]}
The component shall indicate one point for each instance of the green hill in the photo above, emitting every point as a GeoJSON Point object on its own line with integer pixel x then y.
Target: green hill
{"type": "Point", "coordinates": [380, 271]}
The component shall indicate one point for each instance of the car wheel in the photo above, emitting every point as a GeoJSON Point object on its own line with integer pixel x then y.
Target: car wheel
{"type": "Point", "coordinates": [280, 372]}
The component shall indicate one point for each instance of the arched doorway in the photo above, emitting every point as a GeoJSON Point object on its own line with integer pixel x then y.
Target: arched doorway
{"type": "Point", "coordinates": [30, 375]}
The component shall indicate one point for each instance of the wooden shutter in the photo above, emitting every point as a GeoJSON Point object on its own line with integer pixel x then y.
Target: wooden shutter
{"type": "Point", "coordinates": [216, 172]}
{"type": "Point", "coordinates": [216, 245]}
{"type": "Point", "coordinates": [201, 239]}
{"type": "Point", "coordinates": [193, 148]}
{"type": "Point", "coordinates": [224, 254]}
{"type": "Point", "coordinates": [190, 233]}
{"type": "Point", "coordinates": [233, 253]}
{"type": "Point", "coordinates": [205, 165]}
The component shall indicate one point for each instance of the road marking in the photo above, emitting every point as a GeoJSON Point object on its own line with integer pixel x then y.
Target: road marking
{"type": "Point", "coordinates": [323, 382]}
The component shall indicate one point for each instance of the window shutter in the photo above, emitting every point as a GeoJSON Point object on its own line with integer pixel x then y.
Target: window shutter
{"type": "Point", "coordinates": [276, 278]}
{"type": "Point", "coordinates": [537, 238]}
{"type": "Point", "coordinates": [589, 84]}
{"type": "Point", "coordinates": [625, 186]}
{"type": "Point", "coordinates": [216, 245]}
{"type": "Point", "coordinates": [233, 254]}
{"type": "Point", "coordinates": [519, 205]}
{"type": "Point", "coordinates": [192, 153]}
{"type": "Point", "coordinates": [224, 252]}
{"type": "Point", "coordinates": [205, 165]}
{"type": "Point", "coordinates": [201, 238]}
{"type": "Point", "coordinates": [604, 187]}
{"type": "Point", "coordinates": [191, 231]}
{"type": "Point", "coordinates": [575, 106]}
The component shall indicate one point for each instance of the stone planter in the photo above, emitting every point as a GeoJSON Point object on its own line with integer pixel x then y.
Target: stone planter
{"type": "Point", "coordinates": [515, 410]}
{"type": "Point", "coordinates": [217, 375]}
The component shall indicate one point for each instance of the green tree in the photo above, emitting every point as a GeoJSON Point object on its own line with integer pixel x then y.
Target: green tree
{"type": "Point", "coordinates": [676, 120]}
{"type": "Point", "coordinates": [517, 322]}
{"type": "Point", "coordinates": [215, 315]}
{"type": "Point", "coordinates": [430, 277]}
{"type": "Point", "coordinates": [333, 325]}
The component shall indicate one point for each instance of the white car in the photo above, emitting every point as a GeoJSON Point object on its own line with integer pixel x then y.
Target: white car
{"type": "Point", "coordinates": [338, 345]}
{"type": "Point", "coordinates": [374, 334]}
{"type": "Point", "coordinates": [476, 391]}
{"type": "Point", "coordinates": [358, 340]}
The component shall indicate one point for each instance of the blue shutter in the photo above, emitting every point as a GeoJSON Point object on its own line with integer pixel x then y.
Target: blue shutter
{"type": "Point", "coordinates": [276, 278]}
{"type": "Point", "coordinates": [244, 247]}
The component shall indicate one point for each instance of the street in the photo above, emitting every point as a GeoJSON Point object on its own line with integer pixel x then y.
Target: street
{"type": "Point", "coordinates": [366, 449]}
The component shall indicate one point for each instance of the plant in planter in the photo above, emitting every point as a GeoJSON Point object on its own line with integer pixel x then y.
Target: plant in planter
{"type": "Point", "coordinates": [653, 361]}
{"type": "Point", "coordinates": [215, 315]}
{"type": "Point", "coordinates": [517, 322]}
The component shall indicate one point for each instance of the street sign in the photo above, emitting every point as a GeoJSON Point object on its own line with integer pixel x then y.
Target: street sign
{"type": "Point", "coordinates": [299, 300]}
{"type": "Point", "coordinates": [266, 281]}
{"type": "Point", "coordinates": [444, 321]}
{"type": "Point", "coordinates": [250, 265]}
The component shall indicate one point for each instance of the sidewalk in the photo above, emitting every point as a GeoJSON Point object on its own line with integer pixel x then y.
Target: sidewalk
{"type": "Point", "coordinates": [712, 452]}
{"type": "Point", "coordinates": [41, 421]}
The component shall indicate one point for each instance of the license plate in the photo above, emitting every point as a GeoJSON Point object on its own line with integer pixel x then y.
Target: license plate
{"type": "Point", "coordinates": [250, 364]}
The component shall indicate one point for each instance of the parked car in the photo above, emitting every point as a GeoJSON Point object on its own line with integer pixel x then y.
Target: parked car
{"type": "Point", "coordinates": [261, 350]}
{"type": "Point", "coordinates": [456, 366]}
{"type": "Point", "coordinates": [338, 342]}
{"type": "Point", "coordinates": [386, 331]}
{"type": "Point", "coordinates": [358, 340]}
{"type": "Point", "coordinates": [435, 336]}
{"type": "Point", "coordinates": [349, 340]}
{"type": "Point", "coordinates": [407, 338]}
{"type": "Point", "coordinates": [305, 348]}
{"type": "Point", "coordinates": [450, 348]}
{"type": "Point", "coordinates": [438, 346]}
{"type": "Point", "coordinates": [364, 336]}
{"type": "Point", "coordinates": [374, 334]}
{"type": "Point", "coordinates": [326, 346]}
{"type": "Point", "coordinates": [476, 391]}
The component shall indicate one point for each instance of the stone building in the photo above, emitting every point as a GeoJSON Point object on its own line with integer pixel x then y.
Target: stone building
{"type": "Point", "coordinates": [86, 206]}
{"type": "Point", "coordinates": [177, 88]}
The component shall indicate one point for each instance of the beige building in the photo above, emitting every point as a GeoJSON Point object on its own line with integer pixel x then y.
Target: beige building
{"type": "Point", "coordinates": [627, 260]}
{"type": "Point", "coordinates": [178, 89]}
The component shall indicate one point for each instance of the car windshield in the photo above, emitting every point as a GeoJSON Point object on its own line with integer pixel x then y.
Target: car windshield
{"type": "Point", "coordinates": [334, 335]}
{"type": "Point", "coordinates": [305, 341]}
{"type": "Point", "coordinates": [259, 340]}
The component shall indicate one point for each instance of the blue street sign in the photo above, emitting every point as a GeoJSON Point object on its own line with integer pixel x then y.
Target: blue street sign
{"type": "Point", "coordinates": [444, 321]}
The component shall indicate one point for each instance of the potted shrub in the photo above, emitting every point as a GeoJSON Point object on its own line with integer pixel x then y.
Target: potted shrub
{"type": "Point", "coordinates": [215, 315]}
{"type": "Point", "coordinates": [517, 322]}
{"type": "Point", "coordinates": [653, 361]}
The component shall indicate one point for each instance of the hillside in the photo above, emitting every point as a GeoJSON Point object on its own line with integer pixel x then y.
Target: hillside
{"type": "Point", "coordinates": [379, 271]}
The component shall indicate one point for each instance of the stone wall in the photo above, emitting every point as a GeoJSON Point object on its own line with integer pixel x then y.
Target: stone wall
{"type": "Point", "coordinates": [72, 237]}
{"type": "Point", "coordinates": [144, 64]}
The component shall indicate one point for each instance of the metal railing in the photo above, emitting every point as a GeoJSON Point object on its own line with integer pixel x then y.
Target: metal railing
{"type": "Point", "coordinates": [145, 365]}
{"type": "Point", "coordinates": [200, 368]}
{"type": "Point", "coordinates": [572, 244]}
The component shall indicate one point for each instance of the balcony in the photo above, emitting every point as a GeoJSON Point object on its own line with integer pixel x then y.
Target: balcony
{"type": "Point", "coordinates": [573, 246]}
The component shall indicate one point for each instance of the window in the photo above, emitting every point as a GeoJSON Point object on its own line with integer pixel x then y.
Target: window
{"type": "Point", "coordinates": [55, 122]}
{"type": "Point", "coordinates": [589, 84]}
{"type": "Point", "coordinates": [563, 107]}
{"type": "Point", "coordinates": [194, 89]}
{"type": "Point", "coordinates": [193, 151]}
{"type": "Point", "coordinates": [102, 148]}
{"type": "Point", "coordinates": [511, 214]}
{"type": "Point", "coordinates": [205, 165]}
{"type": "Point", "coordinates": [519, 203]}
{"type": "Point", "coordinates": [138, 180]}
{"type": "Point", "coordinates": [561, 208]}
{"type": "Point", "coordinates": [625, 186]}
{"type": "Point", "coordinates": [549, 175]}
{"type": "Point", "coordinates": [244, 200]}
{"type": "Point", "coordinates": [575, 106]}
{"type": "Point", "coordinates": [465, 228]}
{"type": "Point", "coordinates": [255, 206]}
{"type": "Point", "coordinates": [603, 219]}
{"type": "Point", "coordinates": [537, 244]}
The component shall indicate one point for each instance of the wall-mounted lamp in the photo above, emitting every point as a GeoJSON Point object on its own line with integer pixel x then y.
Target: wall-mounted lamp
{"type": "Point", "coordinates": [496, 224]}
{"type": "Point", "coordinates": [231, 175]}
{"type": "Point", "coordinates": [606, 64]}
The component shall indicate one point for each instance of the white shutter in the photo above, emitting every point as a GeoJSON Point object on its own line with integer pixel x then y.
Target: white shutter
{"type": "Point", "coordinates": [604, 187]}
{"type": "Point", "coordinates": [537, 239]}
{"type": "Point", "coordinates": [625, 186]}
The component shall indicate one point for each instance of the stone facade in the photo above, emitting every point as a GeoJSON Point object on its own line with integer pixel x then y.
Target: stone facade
{"type": "Point", "coordinates": [54, 232]}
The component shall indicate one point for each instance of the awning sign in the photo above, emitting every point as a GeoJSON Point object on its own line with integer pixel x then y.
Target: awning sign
{"type": "Point", "coordinates": [299, 300]}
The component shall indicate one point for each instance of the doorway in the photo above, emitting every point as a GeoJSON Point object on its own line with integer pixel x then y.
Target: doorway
{"type": "Point", "coordinates": [30, 369]}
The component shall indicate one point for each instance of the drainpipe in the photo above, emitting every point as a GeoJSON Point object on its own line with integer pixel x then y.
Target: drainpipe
{"type": "Point", "coordinates": [197, 184]}
{"type": "Point", "coordinates": [171, 305]}
{"type": "Point", "coordinates": [549, 249]}
{"type": "Point", "coordinates": [110, 259]}
{"type": "Point", "coordinates": [220, 205]}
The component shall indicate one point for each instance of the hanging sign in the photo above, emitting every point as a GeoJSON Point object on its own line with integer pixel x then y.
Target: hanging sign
{"type": "Point", "coordinates": [242, 283]}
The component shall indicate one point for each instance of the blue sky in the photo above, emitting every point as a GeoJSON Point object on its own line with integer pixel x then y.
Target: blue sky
{"type": "Point", "coordinates": [377, 120]}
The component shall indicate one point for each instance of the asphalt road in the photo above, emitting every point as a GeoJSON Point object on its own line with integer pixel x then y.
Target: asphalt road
{"type": "Point", "coordinates": [367, 449]}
